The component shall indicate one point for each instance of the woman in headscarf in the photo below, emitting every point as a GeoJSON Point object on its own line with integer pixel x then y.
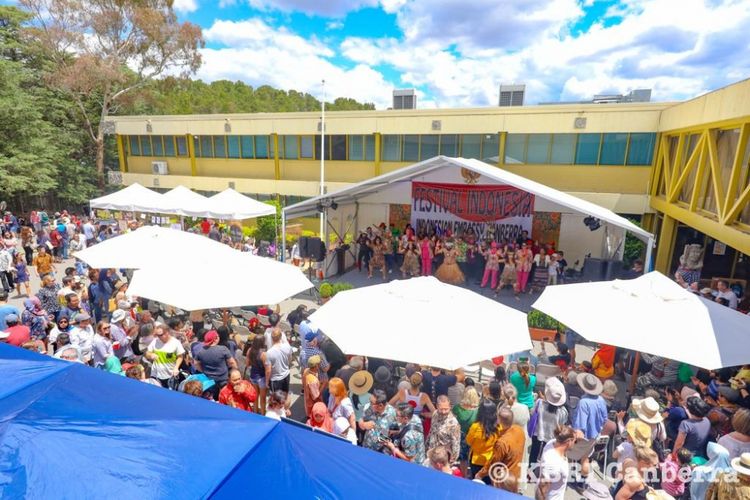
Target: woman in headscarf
{"type": "Point", "coordinates": [704, 475]}
{"type": "Point", "coordinates": [113, 365]}
{"type": "Point", "coordinates": [35, 318]}
{"type": "Point", "coordinates": [320, 418]}
{"type": "Point", "coordinates": [603, 362]}
{"type": "Point", "coordinates": [62, 326]}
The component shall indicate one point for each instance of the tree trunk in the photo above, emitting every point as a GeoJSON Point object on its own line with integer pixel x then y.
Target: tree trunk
{"type": "Point", "coordinates": [100, 159]}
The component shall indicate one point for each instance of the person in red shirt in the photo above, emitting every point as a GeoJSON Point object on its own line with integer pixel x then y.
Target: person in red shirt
{"type": "Point", "coordinates": [238, 393]}
{"type": "Point", "coordinates": [205, 227]}
{"type": "Point", "coordinates": [19, 334]}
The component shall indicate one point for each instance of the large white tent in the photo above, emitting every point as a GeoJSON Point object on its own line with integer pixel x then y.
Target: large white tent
{"type": "Point", "coordinates": [229, 204]}
{"type": "Point", "coordinates": [134, 198]}
{"type": "Point", "coordinates": [652, 314]}
{"type": "Point", "coordinates": [367, 203]}
{"type": "Point", "coordinates": [418, 329]}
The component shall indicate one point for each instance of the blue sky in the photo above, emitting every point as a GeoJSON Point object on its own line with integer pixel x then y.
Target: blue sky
{"type": "Point", "coordinates": [456, 53]}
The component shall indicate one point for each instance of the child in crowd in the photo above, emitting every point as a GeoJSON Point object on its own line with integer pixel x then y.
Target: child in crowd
{"type": "Point", "coordinates": [676, 471]}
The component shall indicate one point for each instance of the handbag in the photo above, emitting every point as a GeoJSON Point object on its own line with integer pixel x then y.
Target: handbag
{"type": "Point", "coordinates": [533, 420]}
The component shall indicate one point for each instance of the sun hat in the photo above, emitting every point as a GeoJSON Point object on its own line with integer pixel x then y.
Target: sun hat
{"type": "Point", "coordinates": [123, 304]}
{"type": "Point", "coordinates": [639, 432]}
{"type": "Point", "coordinates": [554, 392]}
{"type": "Point", "coordinates": [590, 384]}
{"type": "Point", "coordinates": [382, 374]}
{"type": "Point", "coordinates": [118, 315]}
{"type": "Point", "coordinates": [82, 317]}
{"type": "Point", "coordinates": [210, 337]}
{"type": "Point", "coordinates": [742, 464]}
{"type": "Point", "coordinates": [340, 425]}
{"type": "Point", "coordinates": [647, 410]}
{"type": "Point", "coordinates": [360, 382]}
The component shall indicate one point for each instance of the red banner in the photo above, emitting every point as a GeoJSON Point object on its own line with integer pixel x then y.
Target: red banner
{"type": "Point", "coordinates": [474, 203]}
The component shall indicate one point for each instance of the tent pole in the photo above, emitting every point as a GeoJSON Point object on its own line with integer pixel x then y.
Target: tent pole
{"type": "Point", "coordinates": [283, 236]}
{"type": "Point", "coordinates": [649, 249]}
{"type": "Point", "coordinates": [636, 366]}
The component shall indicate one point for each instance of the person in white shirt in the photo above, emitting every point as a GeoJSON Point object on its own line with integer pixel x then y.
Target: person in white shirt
{"type": "Point", "coordinates": [82, 335]}
{"type": "Point", "coordinates": [555, 469]}
{"type": "Point", "coordinates": [273, 319]}
{"type": "Point", "coordinates": [724, 292]}
{"type": "Point", "coordinates": [89, 232]}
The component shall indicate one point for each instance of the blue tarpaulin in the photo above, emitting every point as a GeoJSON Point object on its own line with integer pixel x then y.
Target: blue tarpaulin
{"type": "Point", "coordinates": [71, 431]}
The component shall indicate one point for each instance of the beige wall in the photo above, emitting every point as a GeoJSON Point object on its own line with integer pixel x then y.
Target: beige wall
{"type": "Point", "coordinates": [728, 103]}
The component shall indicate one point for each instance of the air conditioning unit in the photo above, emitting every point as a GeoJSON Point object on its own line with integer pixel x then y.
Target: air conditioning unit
{"type": "Point", "coordinates": [159, 168]}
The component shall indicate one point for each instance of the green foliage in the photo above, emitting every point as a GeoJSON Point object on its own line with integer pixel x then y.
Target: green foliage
{"type": "Point", "coordinates": [341, 287]}
{"type": "Point", "coordinates": [326, 290]}
{"type": "Point", "coordinates": [267, 227]}
{"type": "Point", "coordinates": [634, 247]}
{"type": "Point", "coordinates": [538, 319]}
{"type": "Point", "coordinates": [181, 96]}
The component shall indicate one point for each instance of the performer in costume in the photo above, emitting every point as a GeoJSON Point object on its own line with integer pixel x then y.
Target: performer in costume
{"type": "Point", "coordinates": [449, 272]}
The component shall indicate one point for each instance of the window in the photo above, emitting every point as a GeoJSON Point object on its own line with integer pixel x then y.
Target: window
{"type": "Point", "coordinates": [391, 147]}
{"type": "Point", "coordinates": [182, 149]}
{"type": "Point", "coordinates": [411, 148]}
{"type": "Point", "coordinates": [338, 147]}
{"type": "Point", "coordinates": [247, 146]}
{"type": "Point", "coordinates": [613, 149]}
{"type": "Point", "coordinates": [641, 149]}
{"type": "Point", "coordinates": [207, 149]}
{"type": "Point", "coordinates": [158, 143]}
{"type": "Point", "coordinates": [563, 149]}
{"type": "Point", "coordinates": [233, 146]}
{"type": "Point", "coordinates": [471, 146]}
{"type": "Point", "coordinates": [537, 150]}
{"type": "Point", "coordinates": [356, 147]}
{"type": "Point", "coordinates": [261, 146]}
{"type": "Point", "coordinates": [135, 146]}
{"type": "Point", "coordinates": [291, 147]}
{"type": "Point", "coordinates": [588, 149]}
{"type": "Point", "coordinates": [145, 145]}
{"type": "Point", "coordinates": [490, 147]}
{"type": "Point", "coordinates": [220, 146]}
{"type": "Point", "coordinates": [327, 146]}
{"type": "Point", "coordinates": [449, 145]}
{"type": "Point", "coordinates": [515, 148]}
{"type": "Point", "coordinates": [169, 145]}
{"type": "Point", "coordinates": [306, 147]}
{"type": "Point", "coordinates": [430, 147]}
{"type": "Point", "coordinates": [369, 147]}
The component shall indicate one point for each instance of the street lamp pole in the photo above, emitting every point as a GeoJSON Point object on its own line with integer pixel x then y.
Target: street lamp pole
{"type": "Point", "coordinates": [322, 160]}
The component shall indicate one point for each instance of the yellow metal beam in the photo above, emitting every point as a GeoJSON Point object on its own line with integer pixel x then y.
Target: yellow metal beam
{"type": "Point", "coordinates": [734, 178]}
{"type": "Point", "coordinates": [664, 244]}
{"type": "Point", "coordinates": [666, 166]}
{"type": "Point", "coordinates": [738, 206]}
{"type": "Point", "coordinates": [699, 178]}
{"type": "Point", "coordinates": [276, 162]}
{"type": "Point", "coordinates": [501, 149]}
{"type": "Point", "coordinates": [677, 162]}
{"type": "Point", "coordinates": [191, 154]}
{"type": "Point", "coordinates": [732, 236]}
{"type": "Point", "coordinates": [680, 181]}
{"type": "Point", "coordinates": [713, 158]}
{"type": "Point", "coordinates": [377, 154]}
{"type": "Point", "coordinates": [121, 154]}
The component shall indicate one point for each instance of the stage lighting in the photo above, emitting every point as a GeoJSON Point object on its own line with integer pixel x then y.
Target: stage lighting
{"type": "Point", "coordinates": [592, 223]}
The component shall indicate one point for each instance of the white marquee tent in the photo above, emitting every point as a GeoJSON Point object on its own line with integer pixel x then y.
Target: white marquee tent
{"type": "Point", "coordinates": [367, 203]}
{"type": "Point", "coordinates": [134, 198]}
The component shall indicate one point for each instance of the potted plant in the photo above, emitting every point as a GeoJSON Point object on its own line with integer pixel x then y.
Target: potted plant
{"type": "Point", "coordinates": [326, 292]}
{"type": "Point", "coordinates": [542, 326]}
{"type": "Point", "coordinates": [341, 287]}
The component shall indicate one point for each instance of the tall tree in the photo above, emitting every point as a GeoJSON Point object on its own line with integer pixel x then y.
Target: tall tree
{"type": "Point", "coordinates": [107, 49]}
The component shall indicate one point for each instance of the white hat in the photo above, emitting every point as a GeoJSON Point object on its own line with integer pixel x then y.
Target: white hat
{"type": "Point", "coordinates": [647, 410]}
{"type": "Point", "coordinates": [742, 464]}
{"type": "Point", "coordinates": [341, 425]}
{"type": "Point", "coordinates": [118, 315]}
{"type": "Point", "coordinates": [554, 392]}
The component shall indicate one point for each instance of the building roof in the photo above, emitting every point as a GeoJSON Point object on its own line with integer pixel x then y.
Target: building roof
{"type": "Point", "coordinates": [407, 174]}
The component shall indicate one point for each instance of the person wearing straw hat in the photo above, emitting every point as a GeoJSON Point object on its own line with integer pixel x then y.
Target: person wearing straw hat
{"type": "Point", "coordinates": [735, 485]}
{"type": "Point", "coordinates": [637, 435]}
{"type": "Point", "coordinates": [359, 385]}
{"type": "Point", "coordinates": [589, 420]}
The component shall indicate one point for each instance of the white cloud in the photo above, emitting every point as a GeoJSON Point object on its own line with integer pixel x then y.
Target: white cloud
{"type": "Point", "coordinates": [677, 52]}
{"type": "Point", "coordinates": [334, 8]}
{"type": "Point", "coordinates": [262, 55]}
{"type": "Point", "coordinates": [185, 6]}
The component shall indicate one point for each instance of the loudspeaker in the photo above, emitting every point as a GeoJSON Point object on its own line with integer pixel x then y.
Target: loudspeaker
{"type": "Point", "coordinates": [304, 247]}
{"type": "Point", "coordinates": [316, 249]}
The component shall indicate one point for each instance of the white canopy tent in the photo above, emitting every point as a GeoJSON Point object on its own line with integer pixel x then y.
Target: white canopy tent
{"type": "Point", "coordinates": [417, 330]}
{"type": "Point", "coordinates": [215, 278]}
{"type": "Point", "coordinates": [367, 202]}
{"type": "Point", "coordinates": [229, 204]}
{"type": "Point", "coordinates": [148, 246]}
{"type": "Point", "coordinates": [134, 198]}
{"type": "Point", "coordinates": [652, 314]}
{"type": "Point", "coordinates": [184, 197]}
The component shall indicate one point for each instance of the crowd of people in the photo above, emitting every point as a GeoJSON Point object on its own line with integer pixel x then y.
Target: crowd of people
{"type": "Point", "coordinates": [682, 433]}
{"type": "Point", "coordinates": [522, 265]}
